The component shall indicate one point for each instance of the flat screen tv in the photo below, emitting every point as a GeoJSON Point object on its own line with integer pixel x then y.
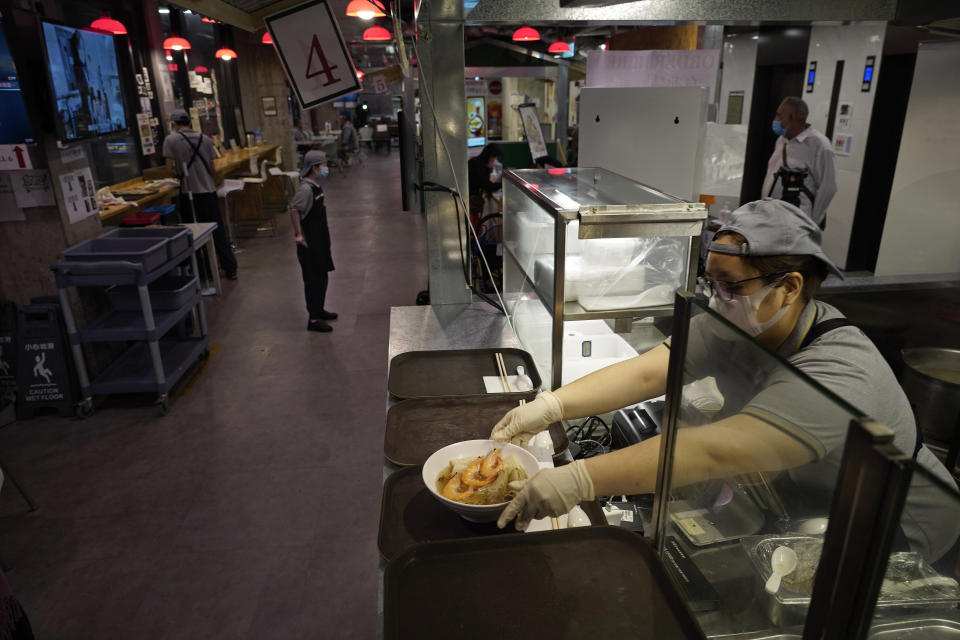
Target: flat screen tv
{"type": "Point", "coordinates": [14, 123]}
{"type": "Point", "coordinates": [84, 81]}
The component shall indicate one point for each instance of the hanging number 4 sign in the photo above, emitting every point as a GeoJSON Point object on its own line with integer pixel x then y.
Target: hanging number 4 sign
{"type": "Point", "coordinates": [313, 53]}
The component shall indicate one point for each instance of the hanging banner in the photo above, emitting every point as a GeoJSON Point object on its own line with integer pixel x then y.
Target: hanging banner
{"type": "Point", "coordinates": [312, 51]}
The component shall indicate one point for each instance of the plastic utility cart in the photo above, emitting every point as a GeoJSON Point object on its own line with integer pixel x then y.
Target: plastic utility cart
{"type": "Point", "coordinates": [149, 297]}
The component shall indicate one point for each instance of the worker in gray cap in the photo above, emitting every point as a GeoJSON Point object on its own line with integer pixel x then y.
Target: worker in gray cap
{"type": "Point", "coordinates": [189, 157]}
{"type": "Point", "coordinates": [763, 270]}
{"type": "Point", "coordinates": [308, 215]}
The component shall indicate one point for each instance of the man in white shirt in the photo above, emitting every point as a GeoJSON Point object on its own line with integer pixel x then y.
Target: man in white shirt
{"type": "Point", "coordinates": [801, 170]}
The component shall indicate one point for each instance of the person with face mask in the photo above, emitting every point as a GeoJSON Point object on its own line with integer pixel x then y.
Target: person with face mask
{"type": "Point", "coordinates": [763, 269]}
{"type": "Point", "coordinates": [308, 215]}
{"type": "Point", "coordinates": [801, 169]}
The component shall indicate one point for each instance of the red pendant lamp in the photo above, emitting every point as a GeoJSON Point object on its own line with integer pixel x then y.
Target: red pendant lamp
{"type": "Point", "coordinates": [360, 75]}
{"type": "Point", "coordinates": [526, 34]}
{"type": "Point", "coordinates": [377, 34]}
{"type": "Point", "coordinates": [364, 9]}
{"type": "Point", "coordinates": [173, 66]}
{"type": "Point", "coordinates": [226, 54]}
{"type": "Point", "coordinates": [176, 43]}
{"type": "Point", "coordinates": [108, 24]}
{"type": "Point", "coordinates": [266, 39]}
{"type": "Point", "coordinates": [559, 47]}
{"type": "Point", "coordinates": [201, 69]}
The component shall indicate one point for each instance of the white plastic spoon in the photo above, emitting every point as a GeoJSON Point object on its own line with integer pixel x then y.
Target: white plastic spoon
{"type": "Point", "coordinates": [524, 383]}
{"type": "Point", "coordinates": [783, 562]}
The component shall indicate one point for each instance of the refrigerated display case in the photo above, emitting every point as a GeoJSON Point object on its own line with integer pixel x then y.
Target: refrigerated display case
{"type": "Point", "coordinates": [587, 254]}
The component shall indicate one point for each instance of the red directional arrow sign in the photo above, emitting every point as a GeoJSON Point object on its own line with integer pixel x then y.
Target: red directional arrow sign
{"type": "Point", "coordinates": [14, 157]}
{"type": "Point", "coordinates": [311, 49]}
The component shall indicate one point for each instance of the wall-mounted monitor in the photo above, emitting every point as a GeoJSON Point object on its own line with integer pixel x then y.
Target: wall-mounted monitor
{"type": "Point", "coordinates": [14, 123]}
{"type": "Point", "coordinates": [84, 82]}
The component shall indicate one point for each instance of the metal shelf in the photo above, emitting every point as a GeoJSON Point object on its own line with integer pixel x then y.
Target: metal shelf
{"type": "Point", "coordinates": [128, 325]}
{"type": "Point", "coordinates": [133, 371]}
{"type": "Point", "coordinates": [573, 311]}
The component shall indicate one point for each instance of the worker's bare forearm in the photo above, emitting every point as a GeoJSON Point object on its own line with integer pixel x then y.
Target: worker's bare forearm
{"type": "Point", "coordinates": [295, 221]}
{"type": "Point", "coordinates": [616, 386]}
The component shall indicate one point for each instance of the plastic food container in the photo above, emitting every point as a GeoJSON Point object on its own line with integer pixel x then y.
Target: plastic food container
{"type": "Point", "coordinates": [166, 294]}
{"type": "Point", "coordinates": [150, 252]}
{"type": "Point", "coordinates": [178, 238]}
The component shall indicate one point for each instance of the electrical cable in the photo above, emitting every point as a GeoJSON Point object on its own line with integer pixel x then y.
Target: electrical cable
{"type": "Point", "coordinates": [591, 444]}
{"type": "Point", "coordinates": [425, 93]}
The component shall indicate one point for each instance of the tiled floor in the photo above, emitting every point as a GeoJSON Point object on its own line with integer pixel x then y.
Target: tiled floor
{"type": "Point", "coordinates": [251, 510]}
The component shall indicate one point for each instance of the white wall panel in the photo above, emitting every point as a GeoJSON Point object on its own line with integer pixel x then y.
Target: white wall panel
{"type": "Point", "coordinates": [852, 44]}
{"type": "Point", "coordinates": [921, 234]}
{"type": "Point", "coordinates": [650, 134]}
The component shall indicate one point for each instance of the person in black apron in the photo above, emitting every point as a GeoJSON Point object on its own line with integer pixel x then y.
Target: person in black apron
{"type": "Point", "coordinates": [189, 156]}
{"type": "Point", "coordinates": [308, 214]}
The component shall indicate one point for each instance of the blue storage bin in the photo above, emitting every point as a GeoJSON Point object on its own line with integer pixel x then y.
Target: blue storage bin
{"type": "Point", "coordinates": [178, 238]}
{"type": "Point", "coordinates": [150, 252]}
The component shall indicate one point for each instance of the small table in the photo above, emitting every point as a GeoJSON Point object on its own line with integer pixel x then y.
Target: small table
{"type": "Point", "coordinates": [203, 237]}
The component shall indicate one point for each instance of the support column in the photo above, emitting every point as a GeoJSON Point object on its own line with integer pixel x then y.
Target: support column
{"type": "Point", "coordinates": [563, 107]}
{"type": "Point", "coordinates": [441, 59]}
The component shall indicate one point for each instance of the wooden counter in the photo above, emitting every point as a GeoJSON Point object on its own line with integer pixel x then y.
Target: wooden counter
{"type": "Point", "coordinates": [229, 163]}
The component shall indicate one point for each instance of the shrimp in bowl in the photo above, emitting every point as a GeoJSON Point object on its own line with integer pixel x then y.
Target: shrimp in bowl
{"type": "Point", "coordinates": [472, 478]}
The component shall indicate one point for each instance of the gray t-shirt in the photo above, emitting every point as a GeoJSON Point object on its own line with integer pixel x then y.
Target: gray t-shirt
{"type": "Point", "coordinates": [848, 364]}
{"type": "Point", "coordinates": [180, 149]}
{"type": "Point", "coordinates": [302, 199]}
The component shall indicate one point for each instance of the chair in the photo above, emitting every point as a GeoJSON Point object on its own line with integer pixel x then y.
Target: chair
{"type": "Point", "coordinates": [332, 149]}
{"type": "Point", "coordinates": [266, 214]}
{"type": "Point", "coordinates": [365, 134]}
{"type": "Point", "coordinates": [227, 187]}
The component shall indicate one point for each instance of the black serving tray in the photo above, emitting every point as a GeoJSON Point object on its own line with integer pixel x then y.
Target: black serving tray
{"type": "Point", "coordinates": [410, 514]}
{"type": "Point", "coordinates": [417, 428]}
{"type": "Point", "coordinates": [590, 582]}
{"type": "Point", "coordinates": [454, 373]}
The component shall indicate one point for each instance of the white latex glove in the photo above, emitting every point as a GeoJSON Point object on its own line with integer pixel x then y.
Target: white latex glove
{"type": "Point", "coordinates": [530, 418]}
{"type": "Point", "coordinates": [552, 492]}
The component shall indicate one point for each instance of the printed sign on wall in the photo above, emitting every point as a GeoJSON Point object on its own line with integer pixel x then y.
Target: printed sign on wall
{"type": "Point", "coordinates": [312, 51]}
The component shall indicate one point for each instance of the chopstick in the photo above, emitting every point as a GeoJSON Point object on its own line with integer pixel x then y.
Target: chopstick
{"type": "Point", "coordinates": [502, 370]}
{"type": "Point", "coordinates": [554, 523]}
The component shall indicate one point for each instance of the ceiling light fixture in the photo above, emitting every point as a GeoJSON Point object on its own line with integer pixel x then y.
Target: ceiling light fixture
{"type": "Point", "coordinates": [364, 9]}
{"type": "Point", "coordinates": [176, 43]}
{"type": "Point", "coordinates": [377, 34]}
{"type": "Point", "coordinates": [559, 47]}
{"type": "Point", "coordinates": [267, 38]}
{"type": "Point", "coordinates": [226, 54]}
{"type": "Point", "coordinates": [108, 24]}
{"type": "Point", "coordinates": [360, 74]}
{"type": "Point", "coordinates": [526, 34]}
{"type": "Point", "coordinates": [201, 69]}
{"type": "Point", "coordinates": [163, 10]}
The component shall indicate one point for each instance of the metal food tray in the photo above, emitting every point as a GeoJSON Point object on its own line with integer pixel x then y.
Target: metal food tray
{"type": "Point", "coordinates": [178, 238]}
{"type": "Point", "coordinates": [149, 252]}
{"type": "Point", "coordinates": [589, 582]}
{"type": "Point", "coordinates": [789, 604]}
{"type": "Point", "coordinates": [417, 428]}
{"type": "Point", "coordinates": [919, 629]}
{"type": "Point", "coordinates": [454, 373]}
{"type": "Point", "coordinates": [410, 514]}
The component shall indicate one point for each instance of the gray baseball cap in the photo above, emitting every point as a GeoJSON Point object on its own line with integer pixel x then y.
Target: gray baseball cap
{"type": "Point", "coordinates": [180, 116]}
{"type": "Point", "coordinates": [310, 160]}
{"type": "Point", "coordinates": [774, 228]}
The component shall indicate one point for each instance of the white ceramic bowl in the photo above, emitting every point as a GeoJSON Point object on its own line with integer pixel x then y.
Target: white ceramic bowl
{"type": "Point", "coordinates": [437, 462]}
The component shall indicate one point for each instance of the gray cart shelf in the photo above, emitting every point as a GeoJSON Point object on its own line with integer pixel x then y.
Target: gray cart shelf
{"type": "Point", "coordinates": [156, 361]}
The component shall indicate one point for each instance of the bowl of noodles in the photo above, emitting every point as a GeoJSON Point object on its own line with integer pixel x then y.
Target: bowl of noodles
{"type": "Point", "coordinates": [472, 478]}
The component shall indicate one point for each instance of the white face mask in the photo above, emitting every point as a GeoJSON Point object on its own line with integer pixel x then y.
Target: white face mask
{"type": "Point", "coordinates": [742, 310]}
